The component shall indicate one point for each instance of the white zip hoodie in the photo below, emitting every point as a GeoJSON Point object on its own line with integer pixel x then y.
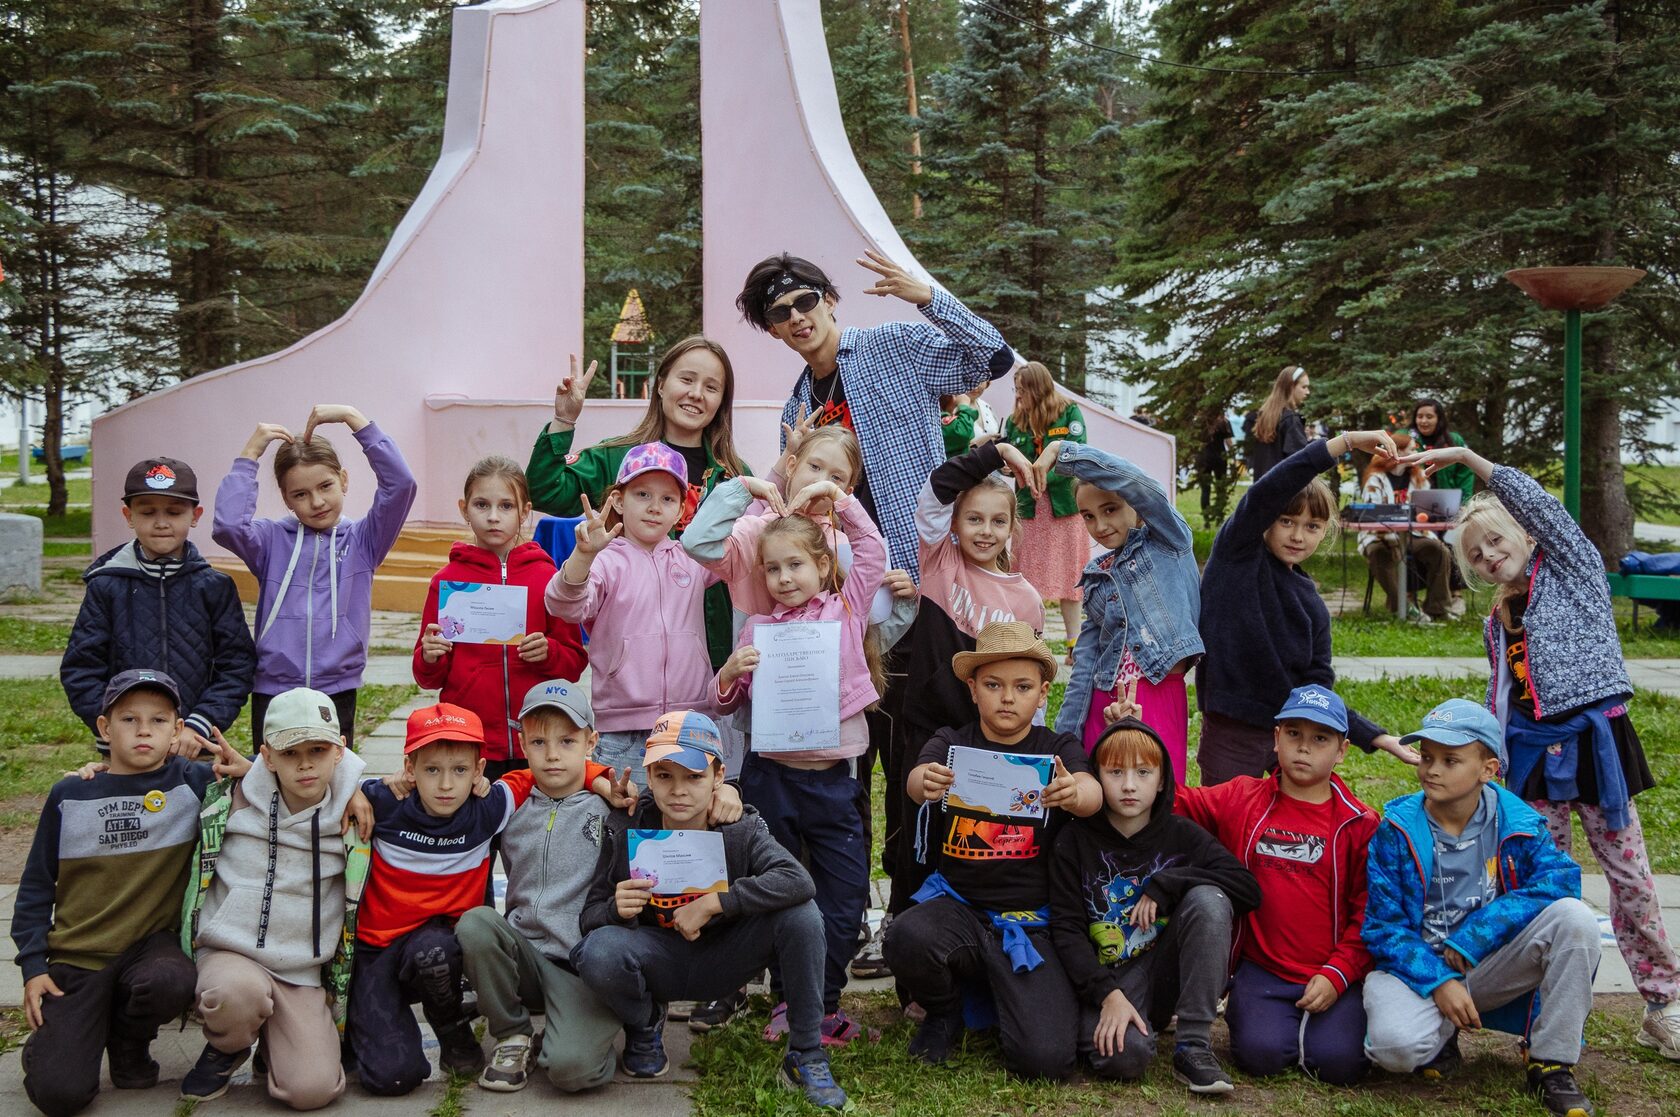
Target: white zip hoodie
{"type": "Point", "coordinates": [278, 894]}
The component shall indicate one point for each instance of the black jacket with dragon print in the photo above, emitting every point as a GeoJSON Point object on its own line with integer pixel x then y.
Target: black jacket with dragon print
{"type": "Point", "coordinates": [1097, 876]}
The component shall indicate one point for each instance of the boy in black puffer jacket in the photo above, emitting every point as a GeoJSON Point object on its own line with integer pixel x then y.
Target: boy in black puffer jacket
{"type": "Point", "coordinates": [156, 603]}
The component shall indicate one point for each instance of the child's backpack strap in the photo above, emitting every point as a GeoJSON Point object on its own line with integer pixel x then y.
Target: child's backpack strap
{"type": "Point", "coordinates": [336, 978]}
{"type": "Point", "coordinates": [212, 828]}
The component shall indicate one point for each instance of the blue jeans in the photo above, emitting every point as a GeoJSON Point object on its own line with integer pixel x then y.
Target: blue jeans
{"type": "Point", "coordinates": [813, 813]}
{"type": "Point", "coordinates": [624, 750]}
{"type": "Point", "coordinates": [633, 968]}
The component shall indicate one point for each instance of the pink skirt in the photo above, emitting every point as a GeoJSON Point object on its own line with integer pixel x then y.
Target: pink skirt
{"type": "Point", "coordinates": [1166, 710]}
{"type": "Point", "coordinates": [1053, 552]}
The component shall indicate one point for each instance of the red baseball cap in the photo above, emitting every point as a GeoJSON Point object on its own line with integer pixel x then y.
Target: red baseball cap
{"type": "Point", "coordinates": [443, 722]}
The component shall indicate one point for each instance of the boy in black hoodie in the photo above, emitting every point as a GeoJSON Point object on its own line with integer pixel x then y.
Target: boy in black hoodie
{"type": "Point", "coordinates": [1141, 909]}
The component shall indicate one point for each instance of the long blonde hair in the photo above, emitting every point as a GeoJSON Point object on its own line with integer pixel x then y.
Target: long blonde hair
{"type": "Point", "coordinates": [1271, 412]}
{"type": "Point", "coordinates": [1485, 510]}
{"type": "Point", "coordinates": [805, 534]}
{"type": "Point", "coordinates": [1038, 403]}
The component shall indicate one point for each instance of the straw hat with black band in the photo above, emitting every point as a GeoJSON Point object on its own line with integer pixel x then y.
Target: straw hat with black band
{"type": "Point", "coordinates": [1005, 640]}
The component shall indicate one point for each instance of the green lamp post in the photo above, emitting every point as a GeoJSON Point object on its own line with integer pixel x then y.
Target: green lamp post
{"type": "Point", "coordinates": [1572, 290]}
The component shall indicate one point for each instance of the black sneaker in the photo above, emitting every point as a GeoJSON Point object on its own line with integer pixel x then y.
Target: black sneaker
{"type": "Point", "coordinates": [1554, 1084]}
{"type": "Point", "coordinates": [132, 1065]}
{"type": "Point", "coordinates": [1446, 1062]}
{"type": "Point", "coordinates": [1198, 1068]}
{"type": "Point", "coordinates": [211, 1075]}
{"type": "Point", "coordinates": [644, 1050]}
{"type": "Point", "coordinates": [459, 1050]}
{"type": "Point", "coordinates": [935, 1037]}
{"type": "Point", "coordinates": [715, 1014]}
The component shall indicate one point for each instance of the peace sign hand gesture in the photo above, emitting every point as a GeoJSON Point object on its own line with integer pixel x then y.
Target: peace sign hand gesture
{"type": "Point", "coordinates": [1125, 705]}
{"type": "Point", "coordinates": [570, 392]}
{"type": "Point", "coordinates": [592, 533]}
{"type": "Point", "coordinates": [895, 280]}
{"type": "Point", "coordinates": [794, 436]}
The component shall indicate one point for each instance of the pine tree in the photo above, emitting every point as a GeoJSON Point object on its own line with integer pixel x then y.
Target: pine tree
{"type": "Point", "coordinates": [53, 241]}
{"type": "Point", "coordinates": [1358, 223]}
{"type": "Point", "coordinates": [1021, 182]}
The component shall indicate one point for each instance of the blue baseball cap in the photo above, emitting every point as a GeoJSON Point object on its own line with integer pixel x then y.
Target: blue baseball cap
{"type": "Point", "coordinates": [1457, 722]}
{"type": "Point", "coordinates": [686, 737]}
{"type": "Point", "coordinates": [1317, 704]}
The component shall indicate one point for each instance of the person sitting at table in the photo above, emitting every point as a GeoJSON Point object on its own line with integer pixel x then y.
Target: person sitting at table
{"type": "Point", "coordinates": [1385, 550]}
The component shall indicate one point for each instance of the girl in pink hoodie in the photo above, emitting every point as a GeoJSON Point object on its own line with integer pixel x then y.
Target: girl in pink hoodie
{"type": "Point", "coordinates": [808, 798]}
{"type": "Point", "coordinates": [640, 596]}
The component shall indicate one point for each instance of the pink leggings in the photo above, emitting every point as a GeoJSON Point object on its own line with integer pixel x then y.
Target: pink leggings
{"type": "Point", "coordinates": [1635, 914]}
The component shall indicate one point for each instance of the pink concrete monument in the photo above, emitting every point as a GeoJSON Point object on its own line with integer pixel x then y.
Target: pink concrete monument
{"type": "Point", "coordinates": [469, 316]}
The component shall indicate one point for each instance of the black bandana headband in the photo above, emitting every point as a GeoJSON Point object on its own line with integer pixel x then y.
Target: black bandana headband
{"type": "Point", "coordinates": [781, 284]}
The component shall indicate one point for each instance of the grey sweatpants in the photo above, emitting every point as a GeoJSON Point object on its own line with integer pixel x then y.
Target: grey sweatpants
{"type": "Point", "coordinates": [1557, 954]}
{"type": "Point", "coordinates": [513, 980]}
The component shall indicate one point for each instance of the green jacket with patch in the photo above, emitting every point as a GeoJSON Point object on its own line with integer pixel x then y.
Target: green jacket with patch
{"type": "Point", "coordinates": [1069, 426]}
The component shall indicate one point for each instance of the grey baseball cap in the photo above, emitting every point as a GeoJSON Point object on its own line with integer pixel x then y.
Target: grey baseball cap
{"type": "Point", "coordinates": [571, 699]}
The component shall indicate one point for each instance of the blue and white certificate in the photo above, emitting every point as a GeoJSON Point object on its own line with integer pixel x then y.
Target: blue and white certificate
{"type": "Point", "coordinates": [796, 687]}
{"type": "Point", "coordinates": [678, 861]}
{"type": "Point", "coordinates": [1001, 784]}
{"type": "Point", "coordinates": [481, 613]}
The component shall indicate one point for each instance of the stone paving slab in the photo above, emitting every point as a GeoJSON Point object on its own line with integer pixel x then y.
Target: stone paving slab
{"type": "Point", "coordinates": [176, 1050]}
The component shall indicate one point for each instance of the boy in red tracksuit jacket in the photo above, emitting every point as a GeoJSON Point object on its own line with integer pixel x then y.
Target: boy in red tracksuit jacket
{"type": "Point", "coordinates": [1296, 999]}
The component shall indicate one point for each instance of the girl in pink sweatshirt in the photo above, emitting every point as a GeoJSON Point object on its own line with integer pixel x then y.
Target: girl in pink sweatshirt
{"type": "Point", "coordinates": [640, 596]}
{"type": "Point", "coordinates": [808, 796]}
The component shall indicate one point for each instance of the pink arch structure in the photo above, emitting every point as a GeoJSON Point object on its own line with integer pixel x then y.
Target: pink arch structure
{"type": "Point", "coordinates": [455, 344]}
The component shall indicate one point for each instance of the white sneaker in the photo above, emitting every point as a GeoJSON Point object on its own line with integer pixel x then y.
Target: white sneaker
{"type": "Point", "coordinates": [1456, 607]}
{"type": "Point", "coordinates": [509, 1065]}
{"type": "Point", "coordinates": [1661, 1029]}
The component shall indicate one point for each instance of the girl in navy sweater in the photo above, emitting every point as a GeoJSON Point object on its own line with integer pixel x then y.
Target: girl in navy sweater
{"type": "Point", "coordinates": [1264, 625]}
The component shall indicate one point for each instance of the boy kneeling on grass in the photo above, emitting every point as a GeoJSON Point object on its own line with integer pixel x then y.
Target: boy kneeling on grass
{"type": "Point", "coordinates": [983, 916]}
{"type": "Point", "coordinates": [1474, 918]}
{"type": "Point", "coordinates": [1141, 907]}
{"type": "Point", "coordinates": [641, 951]}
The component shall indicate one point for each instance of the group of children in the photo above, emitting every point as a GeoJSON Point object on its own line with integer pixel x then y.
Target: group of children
{"type": "Point", "coordinates": [158, 883]}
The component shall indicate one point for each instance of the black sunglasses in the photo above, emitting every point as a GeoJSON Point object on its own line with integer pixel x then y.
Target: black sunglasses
{"type": "Point", "coordinates": [805, 303]}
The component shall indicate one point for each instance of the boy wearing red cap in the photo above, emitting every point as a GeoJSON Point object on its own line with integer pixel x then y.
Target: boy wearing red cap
{"type": "Point", "coordinates": [431, 858]}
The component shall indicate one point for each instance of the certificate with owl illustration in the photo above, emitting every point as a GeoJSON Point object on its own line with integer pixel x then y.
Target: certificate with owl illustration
{"type": "Point", "coordinates": [999, 784]}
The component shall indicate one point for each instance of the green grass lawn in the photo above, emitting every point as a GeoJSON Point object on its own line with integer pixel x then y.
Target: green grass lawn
{"type": "Point", "coordinates": [76, 522]}
{"type": "Point", "coordinates": [24, 637]}
{"type": "Point", "coordinates": [79, 491]}
{"type": "Point", "coordinates": [738, 1076]}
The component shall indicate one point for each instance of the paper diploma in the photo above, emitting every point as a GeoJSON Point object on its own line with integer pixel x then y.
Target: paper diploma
{"type": "Point", "coordinates": [477, 613]}
{"type": "Point", "coordinates": [796, 687]}
{"type": "Point", "coordinates": [1003, 784]}
{"type": "Point", "coordinates": [679, 861]}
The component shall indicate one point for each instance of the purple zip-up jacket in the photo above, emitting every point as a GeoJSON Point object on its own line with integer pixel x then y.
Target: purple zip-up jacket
{"type": "Point", "coordinates": [315, 588]}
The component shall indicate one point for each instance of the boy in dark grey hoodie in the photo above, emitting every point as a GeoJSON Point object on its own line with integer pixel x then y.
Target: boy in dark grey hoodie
{"type": "Point", "coordinates": [641, 950]}
{"type": "Point", "coordinates": [1142, 903]}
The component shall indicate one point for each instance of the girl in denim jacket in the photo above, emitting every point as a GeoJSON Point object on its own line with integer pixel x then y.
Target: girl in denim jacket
{"type": "Point", "coordinates": [1142, 601]}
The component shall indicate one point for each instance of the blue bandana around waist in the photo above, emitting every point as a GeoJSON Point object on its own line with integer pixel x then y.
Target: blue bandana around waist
{"type": "Point", "coordinates": [1012, 925]}
{"type": "Point", "coordinates": [1557, 745]}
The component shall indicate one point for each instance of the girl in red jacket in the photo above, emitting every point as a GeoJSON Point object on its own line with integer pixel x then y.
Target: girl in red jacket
{"type": "Point", "coordinates": [491, 679]}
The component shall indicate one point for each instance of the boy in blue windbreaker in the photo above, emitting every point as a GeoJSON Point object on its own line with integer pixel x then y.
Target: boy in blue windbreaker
{"type": "Point", "coordinates": [1474, 916]}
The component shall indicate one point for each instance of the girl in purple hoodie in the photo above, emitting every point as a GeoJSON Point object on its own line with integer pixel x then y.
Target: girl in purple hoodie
{"type": "Point", "coordinates": [314, 568]}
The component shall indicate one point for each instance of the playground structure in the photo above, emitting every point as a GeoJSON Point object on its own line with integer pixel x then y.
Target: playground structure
{"type": "Point", "coordinates": [466, 323]}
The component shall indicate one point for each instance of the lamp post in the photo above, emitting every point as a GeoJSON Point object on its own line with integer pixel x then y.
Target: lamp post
{"type": "Point", "coordinates": [1572, 290]}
